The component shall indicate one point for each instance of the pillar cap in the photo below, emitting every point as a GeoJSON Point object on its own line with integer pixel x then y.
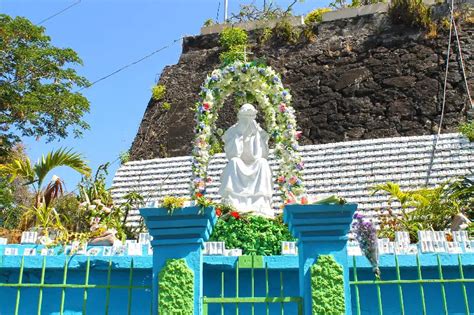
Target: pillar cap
{"type": "Point", "coordinates": [328, 222]}
{"type": "Point", "coordinates": [186, 225]}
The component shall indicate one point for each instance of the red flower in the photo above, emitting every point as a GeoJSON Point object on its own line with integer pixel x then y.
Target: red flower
{"type": "Point", "coordinates": [206, 106]}
{"type": "Point", "coordinates": [218, 212]}
{"type": "Point", "coordinates": [198, 195]}
{"type": "Point", "coordinates": [235, 214]}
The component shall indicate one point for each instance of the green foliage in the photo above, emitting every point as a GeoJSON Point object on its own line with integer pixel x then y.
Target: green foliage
{"type": "Point", "coordinates": [265, 34]}
{"type": "Point", "coordinates": [209, 22]}
{"type": "Point", "coordinates": [255, 235]}
{"type": "Point", "coordinates": [234, 41]}
{"type": "Point", "coordinates": [14, 195]}
{"type": "Point", "coordinates": [158, 92]}
{"type": "Point", "coordinates": [166, 106]}
{"type": "Point", "coordinates": [176, 288]}
{"type": "Point", "coordinates": [340, 4]}
{"type": "Point", "coordinates": [9, 213]}
{"type": "Point", "coordinates": [467, 130]}
{"type": "Point", "coordinates": [232, 37]}
{"type": "Point", "coordinates": [217, 146]}
{"type": "Point", "coordinates": [412, 13]}
{"type": "Point", "coordinates": [269, 11]}
{"type": "Point", "coordinates": [101, 212]}
{"type": "Point", "coordinates": [173, 203]}
{"type": "Point", "coordinates": [426, 208]}
{"type": "Point", "coordinates": [327, 286]}
{"type": "Point", "coordinates": [124, 157]}
{"type": "Point", "coordinates": [37, 80]}
{"type": "Point", "coordinates": [316, 16]}
{"type": "Point", "coordinates": [21, 167]}
{"type": "Point", "coordinates": [285, 32]}
{"type": "Point", "coordinates": [73, 217]}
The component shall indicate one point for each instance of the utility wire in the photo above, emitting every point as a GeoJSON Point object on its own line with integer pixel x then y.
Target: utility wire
{"type": "Point", "coordinates": [436, 139]}
{"type": "Point", "coordinates": [130, 64]}
{"type": "Point", "coordinates": [59, 12]}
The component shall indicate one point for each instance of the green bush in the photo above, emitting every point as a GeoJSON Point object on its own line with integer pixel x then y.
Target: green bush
{"type": "Point", "coordinates": [232, 37]}
{"type": "Point", "coordinates": [234, 41]}
{"type": "Point", "coordinates": [316, 16]}
{"type": "Point", "coordinates": [255, 235]}
{"type": "Point", "coordinates": [412, 13]}
{"type": "Point", "coordinates": [425, 208]}
{"type": "Point", "coordinates": [158, 92]}
{"type": "Point", "coordinates": [166, 106]}
{"type": "Point", "coordinates": [264, 35]}
{"type": "Point", "coordinates": [467, 129]}
{"type": "Point", "coordinates": [286, 32]}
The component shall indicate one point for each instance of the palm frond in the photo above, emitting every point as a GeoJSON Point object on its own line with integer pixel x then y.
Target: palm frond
{"type": "Point", "coordinates": [61, 157]}
{"type": "Point", "coordinates": [18, 167]}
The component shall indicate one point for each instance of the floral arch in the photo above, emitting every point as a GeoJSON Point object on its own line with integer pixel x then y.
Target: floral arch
{"type": "Point", "coordinates": [249, 82]}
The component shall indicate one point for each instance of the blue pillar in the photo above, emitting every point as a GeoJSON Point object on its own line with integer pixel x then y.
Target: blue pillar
{"type": "Point", "coordinates": [320, 230]}
{"type": "Point", "coordinates": [179, 236]}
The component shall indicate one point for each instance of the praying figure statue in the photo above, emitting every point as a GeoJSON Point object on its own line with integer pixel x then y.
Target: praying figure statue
{"type": "Point", "coordinates": [246, 181]}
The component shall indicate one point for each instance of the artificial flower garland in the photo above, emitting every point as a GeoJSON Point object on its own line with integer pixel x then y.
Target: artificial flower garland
{"type": "Point", "coordinates": [249, 81]}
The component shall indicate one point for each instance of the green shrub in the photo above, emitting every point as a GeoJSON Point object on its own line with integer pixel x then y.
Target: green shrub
{"type": "Point", "coordinates": [286, 32]}
{"type": "Point", "coordinates": [412, 13]}
{"type": "Point", "coordinates": [166, 106]}
{"type": "Point", "coordinates": [265, 34]}
{"type": "Point", "coordinates": [158, 92]}
{"type": "Point", "coordinates": [425, 208]}
{"type": "Point", "coordinates": [232, 37]}
{"type": "Point", "coordinates": [233, 54]}
{"type": "Point", "coordinates": [316, 16]}
{"type": "Point", "coordinates": [124, 157]}
{"type": "Point", "coordinates": [209, 22]}
{"type": "Point", "coordinates": [467, 130]}
{"type": "Point", "coordinates": [253, 234]}
{"type": "Point", "coordinates": [234, 41]}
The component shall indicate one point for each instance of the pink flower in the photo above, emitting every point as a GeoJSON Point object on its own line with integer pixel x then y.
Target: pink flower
{"type": "Point", "coordinates": [293, 180]}
{"type": "Point", "coordinates": [298, 135]}
{"type": "Point", "coordinates": [281, 179]}
{"type": "Point", "coordinates": [282, 108]}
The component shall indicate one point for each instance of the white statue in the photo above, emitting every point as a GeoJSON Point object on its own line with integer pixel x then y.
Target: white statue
{"type": "Point", "coordinates": [246, 181]}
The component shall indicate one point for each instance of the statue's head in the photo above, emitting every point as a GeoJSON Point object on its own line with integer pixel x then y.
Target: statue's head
{"type": "Point", "coordinates": [247, 112]}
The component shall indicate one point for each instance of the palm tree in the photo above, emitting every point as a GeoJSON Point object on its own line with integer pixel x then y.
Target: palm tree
{"type": "Point", "coordinates": [35, 175]}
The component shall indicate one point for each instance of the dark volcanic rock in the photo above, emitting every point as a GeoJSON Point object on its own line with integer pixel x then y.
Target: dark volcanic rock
{"type": "Point", "coordinates": [361, 78]}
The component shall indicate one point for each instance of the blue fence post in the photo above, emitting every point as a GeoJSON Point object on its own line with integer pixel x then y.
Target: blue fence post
{"type": "Point", "coordinates": [320, 230]}
{"type": "Point", "coordinates": [179, 236]}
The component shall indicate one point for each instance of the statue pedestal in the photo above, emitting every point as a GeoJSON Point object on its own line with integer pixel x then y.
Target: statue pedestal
{"type": "Point", "coordinates": [320, 230]}
{"type": "Point", "coordinates": [179, 236]}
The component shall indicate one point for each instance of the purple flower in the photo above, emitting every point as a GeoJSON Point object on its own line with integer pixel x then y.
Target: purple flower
{"type": "Point", "coordinates": [366, 235]}
{"type": "Point", "coordinates": [231, 69]}
{"type": "Point", "coordinates": [276, 79]}
{"type": "Point", "coordinates": [214, 78]}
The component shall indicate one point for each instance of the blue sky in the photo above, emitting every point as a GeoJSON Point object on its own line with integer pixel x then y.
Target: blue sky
{"type": "Point", "coordinates": [108, 34]}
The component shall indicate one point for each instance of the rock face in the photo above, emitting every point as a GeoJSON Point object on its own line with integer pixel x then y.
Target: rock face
{"type": "Point", "coordinates": [360, 78]}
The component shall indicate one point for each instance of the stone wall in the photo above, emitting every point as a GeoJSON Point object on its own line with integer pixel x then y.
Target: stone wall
{"type": "Point", "coordinates": [360, 78]}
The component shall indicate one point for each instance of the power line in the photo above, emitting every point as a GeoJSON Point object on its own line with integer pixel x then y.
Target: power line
{"type": "Point", "coordinates": [59, 12]}
{"type": "Point", "coordinates": [131, 64]}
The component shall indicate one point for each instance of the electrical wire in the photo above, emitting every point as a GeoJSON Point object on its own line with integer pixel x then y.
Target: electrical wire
{"type": "Point", "coordinates": [436, 139]}
{"type": "Point", "coordinates": [462, 62]}
{"type": "Point", "coordinates": [59, 12]}
{"type": "Point", "coordinates": [130, 64]}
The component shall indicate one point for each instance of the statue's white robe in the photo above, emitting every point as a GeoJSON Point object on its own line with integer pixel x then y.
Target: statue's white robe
{"type": "Point", "coordinates": [246, 181]}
